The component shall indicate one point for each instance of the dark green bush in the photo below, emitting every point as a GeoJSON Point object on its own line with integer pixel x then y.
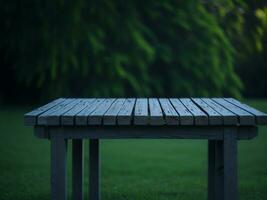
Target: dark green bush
{"type": "Point", "coordinates": [118, 48]}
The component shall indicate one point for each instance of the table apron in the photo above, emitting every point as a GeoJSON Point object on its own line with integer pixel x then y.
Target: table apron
{"type": "Point", "coordinates": [145, 132]}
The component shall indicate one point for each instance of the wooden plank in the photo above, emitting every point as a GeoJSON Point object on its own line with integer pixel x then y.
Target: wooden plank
{"type": "Point", "coordinates": [77, 169]}
{"type": "Point", "coordinates": [124, 117]}
{"type": "Point", "coordinates": [81, 118]}
{"type": "Point", "coordinates": [261, 118]}
{"type": "Point", "coordinates": [30, 118]}
{"type": "Point", "coordinates": [96, 117]}
{"type": "Point", "coordinates": [214, 117]}
{"type": "Point", "coordinates": [68, 118]}
{"type": "Point", "coordinates": [229, 118]}
{"type": "Point", "coordinates": [186, 117]}
{"type": "Point", "coordinates": [200, 117]}
{"type": "Point", "coordinates": [110, 116]}
{"type": "Point", "coordinates": [94, 170]}
{"type": "Point", "coordinates": [58, 168]}
{"type": "Point", "coordinates": [141, 112]}
{"type": "Point", "coordinates": [155, 116]}
{"type": "Point", "coordinates": [245, 118]}
{"type": "Point", "coordinates": [170, 114]}
{"type": "Point", "coordinates": [52, 116]}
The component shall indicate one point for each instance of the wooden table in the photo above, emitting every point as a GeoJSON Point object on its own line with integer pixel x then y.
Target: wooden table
{"type": "Point", "coordinates": [221, 121]}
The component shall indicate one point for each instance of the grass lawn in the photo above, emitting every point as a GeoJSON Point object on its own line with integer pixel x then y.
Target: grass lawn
{"type": "Point", "coordinates": [131, 169]}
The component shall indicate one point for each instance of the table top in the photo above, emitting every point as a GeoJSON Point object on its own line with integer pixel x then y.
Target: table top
{"type": "Point", "coordinates": [145, 111]}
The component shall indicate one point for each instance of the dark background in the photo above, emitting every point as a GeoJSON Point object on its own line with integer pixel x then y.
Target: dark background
{"type": "Point", "coordinates": [132, 48]}
{"type": "Point", "coordinates": [85, 48]}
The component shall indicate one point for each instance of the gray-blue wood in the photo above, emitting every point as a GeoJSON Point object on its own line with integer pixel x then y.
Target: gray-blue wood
{"type": "Point", "coordinates": [156, 115]}
{"type": "Point", "coordinates": [110, 117]}
{"type": "Point", "coordinates": [185, 116]}
{"type": "Point", "coordinates": [68, 117]}
{"type": "Point", "coordinates": [215, 170]}
{"type": "Point", "coordinates": [141, 116]}
{"type": "Point", "coordinates": [148, 132]}
{"type": "Point", "coordinates": [125, 117]}
{"type": "Point", "coordinates": [94, 170]}
{"type": "Point", "coordinates": [222, 169]}
{"type": "Point", "coordinates": [58, 168]}
{"type": "Point", "coordinates": [96, 117]}
{"type": "Point", "coordinates": [211, 169]}
{"type": "Point", "coordinates": [77, 169]}
{"type": "Point", "coordinates": [52, 116]}
{"type": "Point", "coordinates": [170, 114]}
{"type": "Point", "coordinates": [81, 119]}
{"type": "Point", "coordinates": [229, 118]}
{"type": "Point", "coordinates": [230, 163]}
{"type": "Point", "coordinates": [200, 117]}
{"type": "Point", "coordinates": [214, 117]}
{"type": "Point", "coordinates": [30, 118]}
{"type": "Point", "coordinates": [261, 117]}
{"type": "Point", "coordinates": [143, 111]}
{"type": "Point", "coordinates": [245, 118]}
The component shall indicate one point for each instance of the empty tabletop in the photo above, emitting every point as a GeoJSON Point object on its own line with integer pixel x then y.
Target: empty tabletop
{"type": "Point", "coordinates": [145, 111]}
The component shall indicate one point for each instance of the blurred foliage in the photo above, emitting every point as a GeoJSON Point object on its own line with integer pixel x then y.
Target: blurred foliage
{"type": "Point", "coordinates": [125, 48]}
{"type": "Point", "coordinates": [245, 24]}
{"type": "Point", "coordinates": [252, 56]}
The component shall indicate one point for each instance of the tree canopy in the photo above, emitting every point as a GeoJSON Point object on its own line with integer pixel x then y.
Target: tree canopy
{"type": "Point", "coordinates": [123, 48]}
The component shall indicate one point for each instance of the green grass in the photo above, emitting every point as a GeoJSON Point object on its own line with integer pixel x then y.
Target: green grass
{"type": "Point", "coordinates": [131, 169]}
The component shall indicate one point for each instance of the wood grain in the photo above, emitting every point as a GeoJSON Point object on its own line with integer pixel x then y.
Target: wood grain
{"type": "Point", "coordinates": [170, 114]}
{"type": "Point", "coordinates": [141, 112]}
{"type": "Point", "coordinates": [200, 118]}
{"type": "Point", "coordinates": [125, 117]}
{"type": "Point", "coordinates": [156, 116]}
{"type": "Point", "coordinates": [145, 111]}
{"type": "Point", "coordinates": [245, 118]}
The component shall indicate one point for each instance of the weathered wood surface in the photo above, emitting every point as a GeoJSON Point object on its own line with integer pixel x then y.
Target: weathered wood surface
{"type": "Point", "coordinates": [261, 117]}
{"type": "Point", "coordinates": [141, 116]}
{"type": "Point", "coordinates": [124, 117]}
{"type": "Point", "coordinates": [200, 117]}
{"type": "Point", "coordinates": [156, 115]}
{"type": "Point", "coordinates": [148, 132]}
{"type": "Point", "coordinates": [214, 117]}
{"type": "Point", "coordinates": [96, 117]}
{"type": "Point", "coordinates": [82, 117]}
{"type": "Point", "coordinates": [68, 117]}
{"type": "Point", "coordinates": [145, 111]}
{"type": "Point", "coordinates": [229, 118]}
{"type": "Point", "coordinates": [111, 115]}
{"type": "Point", "coordinates": [30, 118]}
{"type": "Point", "coordinates": [52, 116]}
{"type": "Point", "coordinates": [171, 116]}
{"type": "Point", "coordinates": [245, 118]}
{"type": "Point", "coordinates": [186, 117]}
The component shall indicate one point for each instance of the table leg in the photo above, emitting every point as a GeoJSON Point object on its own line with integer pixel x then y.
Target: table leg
{"type": "Point", "coordinates": [222, 167]}
{"type": "Point", "coordinates": [58, 168]}
{"type": "Point", "coordinates": [230, 164]}
{"type": "Point", "coordinates": [94, 170]}
{"type": "Point", "coordinates": [215, 170]}
{"type": "Point", "coordinates": [77, 169]}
